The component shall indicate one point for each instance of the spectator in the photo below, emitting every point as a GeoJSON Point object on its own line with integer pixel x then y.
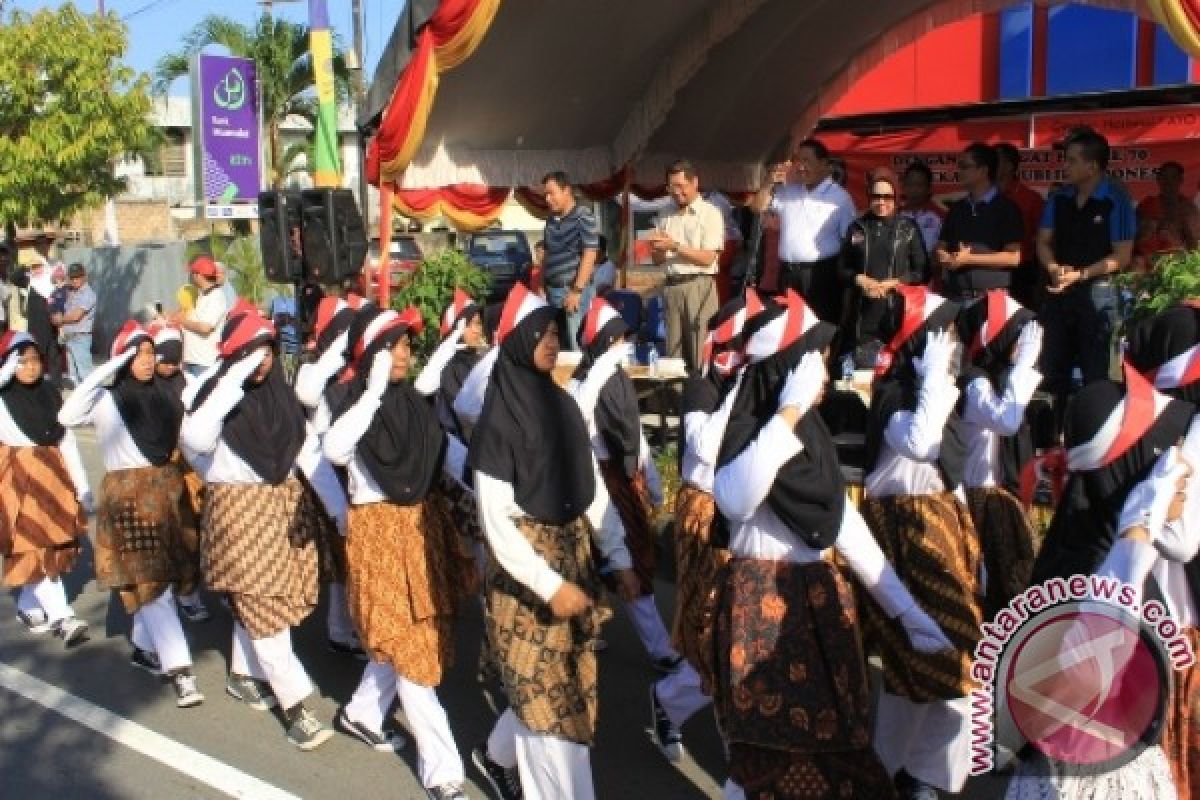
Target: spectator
{"type": "Point", "coordinates": [687, 241]}
{"type": "Point", "coordinates": [1086, 234]}
{"type": "Point", "coordinates": [605, 275]}
{"type": "Point", "coordinates": [572, 239]}
{"type": "Point", "coordinates": [838, 171]}
{"type": "Point", "coordinates": [980, 242]}
{"type": "Point", "coordinates": [882, 251]}
{"type": "Point", "coordinates": [227, 289]}
{"type": "Point", "coordinates": [202, 325]}
{"type": "Point", "coordinates": [1027, 286]}
{"type": "Point", "coordinates": [42, 271]}
{"type": "Point", "coordinates": [57, 306]}
{"type": "Point", "coordinates": [733, 245]}
{"type": "Point", "coordinates": [76, 323]}
{"type": "Point", "coordinates": [919, 205]}
{"type": "Point", "coordinates": [535, 269]}
{"type": "Point", "coordinates": [1169, 221]}
{"type": "Point", "coordinates": [282, 313]}
{"type": "Point", "coordinates": [814, 215]}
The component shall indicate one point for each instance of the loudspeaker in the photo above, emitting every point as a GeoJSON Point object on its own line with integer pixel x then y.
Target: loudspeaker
{"type": "Point", "coordinates": [279, 226]}
{"type": "Point", "coordinates": [335, 239]}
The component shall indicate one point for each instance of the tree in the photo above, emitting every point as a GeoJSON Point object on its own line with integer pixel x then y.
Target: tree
{"type": "Point", "coordinates": [285, 72]}
{"type": "Point", "coordinates": [68, 110]}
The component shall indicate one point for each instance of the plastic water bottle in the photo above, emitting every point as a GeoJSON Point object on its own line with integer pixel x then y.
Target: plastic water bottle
{"type": "Point", "coordinates": [652, 361]}
{"type": "Point", "coordinates": [848, 367]}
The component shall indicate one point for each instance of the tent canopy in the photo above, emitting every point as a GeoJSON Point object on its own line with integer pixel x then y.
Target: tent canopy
{"type": "Point", "coordinates": [592, 87]}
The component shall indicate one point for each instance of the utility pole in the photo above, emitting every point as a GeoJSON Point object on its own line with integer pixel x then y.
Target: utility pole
{"type": "Point", "coordinates": [100, 7]}
{"type": "Point", "coordinates": [360, 94]}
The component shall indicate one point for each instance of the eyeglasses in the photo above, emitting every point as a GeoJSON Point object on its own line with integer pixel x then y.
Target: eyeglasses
{"type": "Point", "coordinates": [874, 196]}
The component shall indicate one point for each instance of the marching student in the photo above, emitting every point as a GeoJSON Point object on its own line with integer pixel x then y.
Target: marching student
{"type": "Point", "coordinates": [406, 571]}
{"type": "Point", "coordinates": [168, 349]}
{"type": "Point", "coordinates": [320, 385]}
{"type": "Point", "coordinates": [543, 507]}
{"type": "Point", "coordinates": [44, 493]}
{"type": "Point", "coordinates": [1121, 514]}
{"type": "Point", "coordinates": [791, 687]}
{"type": "Point", "coordinates": [245, 433]}
{"type": "Point", "coordinates": [146, 537]}
{"type": "Point", "coordinates": [1003, 342]}
{"type": "Point", "coordinates": [609, 403]}
{"type": "Point", "coordinates": [461, 348]}
{"type": "Point", "coordinates": [915, 456]}
{"type": "Point", "coordinates": [699, 556]}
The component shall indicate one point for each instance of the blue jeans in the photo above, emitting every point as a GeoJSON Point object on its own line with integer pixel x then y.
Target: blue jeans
{"type": "Point", "coordinates": [556, 296]}
{"type": "Point", "coordinates": [79, 348]}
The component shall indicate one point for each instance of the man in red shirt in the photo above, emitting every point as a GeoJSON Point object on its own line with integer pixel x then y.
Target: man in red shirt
{"type": "Point", "coordinates": [1027, 287]}
{"type": "Point", "coordinates": [921, 208]}
{"type": "Point", "coordinates": [1168, 221]}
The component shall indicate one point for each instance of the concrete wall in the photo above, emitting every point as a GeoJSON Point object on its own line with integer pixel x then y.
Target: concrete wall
{"type": "Point", "coordinates": [127, 280]}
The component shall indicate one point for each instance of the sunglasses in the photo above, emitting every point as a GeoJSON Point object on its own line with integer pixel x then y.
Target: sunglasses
{"type": "Point", "coordinates": [874, 196]}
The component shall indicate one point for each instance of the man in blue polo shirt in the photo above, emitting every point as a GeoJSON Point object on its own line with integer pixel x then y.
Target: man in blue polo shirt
{"type": "Point", "coordinates": [572, 241]}
{"type": "Point", "coordinates": [1086, 234]}
{"type": "Point", "coordinates": [979, 245]}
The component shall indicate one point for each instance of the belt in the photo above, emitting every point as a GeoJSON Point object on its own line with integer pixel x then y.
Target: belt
{"type": "Point", "coordinates": [549, 284]}
{"type": "Point", "coordinates": [675, 280]}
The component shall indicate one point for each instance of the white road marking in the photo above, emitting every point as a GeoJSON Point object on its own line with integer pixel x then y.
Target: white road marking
{"type": "Point", "coordinates": [170, 753]}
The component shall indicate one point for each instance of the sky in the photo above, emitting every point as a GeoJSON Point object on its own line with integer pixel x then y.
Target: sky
{"type": "Point", "coordinates": [157, 27]}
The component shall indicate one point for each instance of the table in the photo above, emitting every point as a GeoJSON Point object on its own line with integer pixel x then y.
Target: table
{"type": "Point", "coordinates": [660, 388]}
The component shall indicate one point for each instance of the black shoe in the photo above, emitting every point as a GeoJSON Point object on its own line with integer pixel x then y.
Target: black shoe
{"type": "Point", "coordinates": [667, 664]}
{"type": "Point", "coordinates": [194, 612]}
{"type": "Point", "coordinates": [349, 649]}
{"type": "Point", "coordinates": [505, 784]}
{"type": "Point", "coordinates": [306, 731]}
{"type": "Point", "coordinates": [447, 791]}
{"type": "Point", "coordinates": [666, 736]}
{"type": "Point", "coordinates": [147, 661]}
{"type": "Point", "coordinates": [384, 742]}
{"type": "Point", "coordinates": [251, 692]}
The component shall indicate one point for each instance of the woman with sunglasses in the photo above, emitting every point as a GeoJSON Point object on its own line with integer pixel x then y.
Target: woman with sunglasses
{"type": "Point", "coordinates": [882, 251]}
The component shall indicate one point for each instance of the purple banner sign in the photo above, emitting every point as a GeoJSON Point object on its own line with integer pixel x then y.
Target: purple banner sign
{"type": "Point", "coordinates": [225, 99]}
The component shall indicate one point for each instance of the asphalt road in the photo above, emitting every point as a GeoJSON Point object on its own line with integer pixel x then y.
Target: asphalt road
{"type": "Point", "coordinates": [45, 754]}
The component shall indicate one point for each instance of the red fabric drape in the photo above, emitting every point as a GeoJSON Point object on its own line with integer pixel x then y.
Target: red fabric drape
{"type": "Point", "coordinates": [467, 206]}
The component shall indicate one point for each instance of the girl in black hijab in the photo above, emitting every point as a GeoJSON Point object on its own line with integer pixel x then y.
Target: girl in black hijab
{"type": "Point", "coordinates": [542, 505]}
{"type": "Point", "coordinates": [1003, 342]}
{"type": "Point", "coordinates": [463, 344]}
{"type": "Point", "coordinates": [782, 604]}
{"type": "Point", "coordinates": [147, 542]}
{"type": "Point", "coordinates": [406, 570]}
{"type": "Point", "coordinates": [915, 506]}
{"type": "Point", "coordinates": [39, 539]}
{"type": "Point", "coordinates": [245, 433]}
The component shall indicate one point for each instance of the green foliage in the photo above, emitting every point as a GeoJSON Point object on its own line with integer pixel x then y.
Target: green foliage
{"type": "Point", "coordinates": [243, 263]}
{"type": "Point", "coordinates": [285, 71]}
{"type": "Point", "coordinates": [1176, 277]}
{"type": "Point", "coordinates": [68, 110]}
{"type": "Point", "coordinates": [431, 289]}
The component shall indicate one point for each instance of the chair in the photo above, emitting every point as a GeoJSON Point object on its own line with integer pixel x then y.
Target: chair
{"type": "Point", "coordinates": [629, 305]}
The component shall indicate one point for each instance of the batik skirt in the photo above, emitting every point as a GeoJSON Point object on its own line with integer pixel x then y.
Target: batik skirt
{"type": "Point", "coordinates": [41, 521]}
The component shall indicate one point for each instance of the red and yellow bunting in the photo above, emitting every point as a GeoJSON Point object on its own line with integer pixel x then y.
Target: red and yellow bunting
{"type": "Point", "coordinates": [1181, 18]}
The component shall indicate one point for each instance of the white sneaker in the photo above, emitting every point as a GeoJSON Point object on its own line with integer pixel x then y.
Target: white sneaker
{"type": "Point", "coordinates": [187, 694]}
{"type": "Point", "coordinates": [34, 620]}
{"type": "Point", "coordinates": [72, 630]}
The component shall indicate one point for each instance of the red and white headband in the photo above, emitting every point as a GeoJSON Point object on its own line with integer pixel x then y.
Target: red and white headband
{"type": "Point", "coordinates": [783, 331]}
{"type": "Point", "coordinates": [919, 305]}
{"type": "Point", "coordinates": [1182, 370]}
{"type": "Point", "coordinates": [1127, 423]}
{"type": "Point", "coordinates": [455, 311]}
{"type": "Point", "coordinates": [130, 335]}
{"type": "Point", "coordinates": [519, 304]}
{"type": "Point", "coordinates": [598, 316]}
{"type": "Point", "coordinates": [1000, 309]}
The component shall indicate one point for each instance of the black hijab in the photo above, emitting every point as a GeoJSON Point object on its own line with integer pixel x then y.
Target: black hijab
{"type": "Point", "coordinates": [809, 492]}
{"type": "Point", "coordinates": [404, 446]}
{"type": "Point", "coordinates": [34, 408]}
{"type": "Point", "coordinates": [993, 362]}
{"type": "Point", "coordinates": [150, 410]}
{"type": "Point", "coordinates": [267, 428]}
{"type": "Point", "coordinates": [171, 352]}
{"type": "Point", "coordinates": [617, 416]}
{"type": "Point", "coordinates": [531, 434]}
{"type": "Point", "coordinates": [1162, 338]}
{"type": "Point", "coordinates": [896, 390]}
{"type": "Point", "coordinates": [1084, 527]}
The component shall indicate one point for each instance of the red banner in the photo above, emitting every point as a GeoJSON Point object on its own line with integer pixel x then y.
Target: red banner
{"type": "Point", "coordinates": [1137, 126]}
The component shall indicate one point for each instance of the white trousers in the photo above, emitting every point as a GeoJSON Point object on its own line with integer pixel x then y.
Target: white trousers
{"type": "Point", "coordinates": [931, 741]}
{"type": "Point", "coordinates": [681, 695]}
{"type": "Point", "coordinates": [272, 660]}
{"type": "Point", "coordinates": [48, 595]}
{"type": "Point", "coordinates": [156, 628]}
{"type": "Point", "coordinates": [732, 791]}
{"type": "Point", "coordinates": [648, 623]}
{"type": "Point", "coordinates": [551, 768]}
{"type": "Point", "coordinates": [438, 761]}
{"type": "Point", "coordinates": [337, 619]}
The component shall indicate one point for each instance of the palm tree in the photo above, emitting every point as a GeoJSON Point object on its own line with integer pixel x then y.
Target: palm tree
{"type": "Point", "coordinates": [285, 72]}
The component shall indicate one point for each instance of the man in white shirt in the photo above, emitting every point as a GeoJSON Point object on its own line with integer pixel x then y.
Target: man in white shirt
{"type": "Point", "coordinates": [202, 325]}
{"type": "Point", "coordinates": [687, 241]}
{"type": "Point", "coordinates": [814, 215]}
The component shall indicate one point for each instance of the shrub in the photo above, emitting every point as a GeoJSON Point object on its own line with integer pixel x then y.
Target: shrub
{"type": "Point", "coordinates": [431, 289]}
{"type": "Point", "coordinates": [1175, 277]}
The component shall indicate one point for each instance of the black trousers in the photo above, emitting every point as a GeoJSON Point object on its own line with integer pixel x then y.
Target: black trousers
{"type": "Point", "coordinates": [817, 283]}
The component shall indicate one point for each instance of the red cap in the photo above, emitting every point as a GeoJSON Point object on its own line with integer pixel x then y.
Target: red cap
{"type": "Point", "coordinates": [203, 265]}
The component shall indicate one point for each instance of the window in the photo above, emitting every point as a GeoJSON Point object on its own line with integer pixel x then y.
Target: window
{"type": "Point", "coordinates": [169, 160]}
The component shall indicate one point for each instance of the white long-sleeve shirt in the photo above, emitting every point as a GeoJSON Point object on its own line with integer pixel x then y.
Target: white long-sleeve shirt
{"type": "Point", "coordinates": [498, 512]}
{"type": "Point", "coordinates": [340, 444]}
{"type": "Point", "coordinates": [469, 403]}
{"type": "Point", "coordinates": [94, 405]}
{"type": "Point", "coordinates": [741, 489]}
{"type": "Point", "coordinates": [989, 416]}
{"type": "Point", "coordinates": [702, 435]}
{"type": "Point", "coordinates": [912, 440]}
{"type": "Point", "coordinates": [12, 436]}
{"type": "Point", "coordinates": [203, 446]}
